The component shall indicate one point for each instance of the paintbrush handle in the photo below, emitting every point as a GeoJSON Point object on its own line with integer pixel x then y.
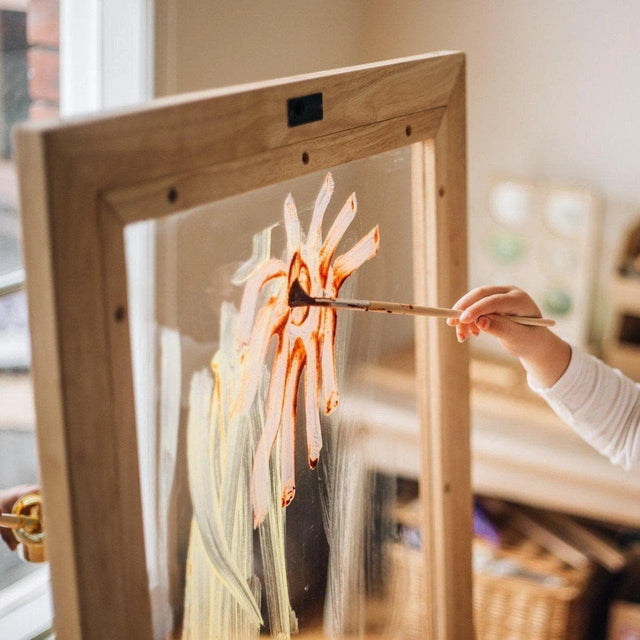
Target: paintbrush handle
{"type": "Point", "coordinates": [415, 310]}
{"type": "Point", "coordinates": [529, 321]}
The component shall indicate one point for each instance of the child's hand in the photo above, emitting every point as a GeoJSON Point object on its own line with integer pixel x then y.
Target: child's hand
{"type": "Point", "coordinates": [542, 353]}
{"type": "Point", "coordinates": [483, 302]}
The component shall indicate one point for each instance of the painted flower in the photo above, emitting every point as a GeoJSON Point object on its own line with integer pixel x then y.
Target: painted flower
{"type": "Point", "coordinates": [305, 337]}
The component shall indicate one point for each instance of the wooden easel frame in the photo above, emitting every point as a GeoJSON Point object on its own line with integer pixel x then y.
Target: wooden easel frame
{"type": "Point", "coordinates": [82, 181]}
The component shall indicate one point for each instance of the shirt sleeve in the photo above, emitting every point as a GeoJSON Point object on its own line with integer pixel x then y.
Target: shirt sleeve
{"type": "Point", "coordinates": [600, 403]}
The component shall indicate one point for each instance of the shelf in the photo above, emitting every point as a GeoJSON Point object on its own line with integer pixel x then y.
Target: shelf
{"type": "Point", "coordinates": [521, 450]}
{"type": "Point", "coordinates": [623, 293]}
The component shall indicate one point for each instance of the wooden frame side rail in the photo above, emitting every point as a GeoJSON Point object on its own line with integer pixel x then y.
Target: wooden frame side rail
{"type": "Point", "coordinates": [82, 181]}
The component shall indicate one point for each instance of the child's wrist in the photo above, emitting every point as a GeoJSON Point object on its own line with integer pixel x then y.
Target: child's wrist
{"type": "Point", "coordinates": [546, 358]}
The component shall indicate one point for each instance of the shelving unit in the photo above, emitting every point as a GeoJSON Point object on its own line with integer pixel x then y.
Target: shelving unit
{"type": "Point", "coordinates": [622, 344]}
{"type": "Point", "coordinates": [521, 450]}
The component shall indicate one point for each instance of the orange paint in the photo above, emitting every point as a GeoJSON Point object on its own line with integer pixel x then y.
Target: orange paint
{"type": "Point", "coordinates": [306, 336]}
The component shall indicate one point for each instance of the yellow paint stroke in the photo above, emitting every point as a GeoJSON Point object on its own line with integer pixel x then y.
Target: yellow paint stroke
{"type": "Point", "coordinates": [222, 596]}
{"type": "Point", "coordinates": [237, 408]}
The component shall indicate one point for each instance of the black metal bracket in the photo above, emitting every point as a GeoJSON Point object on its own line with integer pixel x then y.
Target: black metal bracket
{"type": "Point", "coordinates": [304, 109]}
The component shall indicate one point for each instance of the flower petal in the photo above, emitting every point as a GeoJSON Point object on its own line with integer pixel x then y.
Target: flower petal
{"type": "Point", "coordinates": [288, 425]}
{"type": "Point", "coordinates": [365, 249]}
{"type": "Point", "coordinates": [269, 270]}
{"type": "Point", "coordinates": [311, 393]}
{"type": "Point", "coordinates": [269, 321]}
{"type": "Point", "coordinates": [275, 398]}
{"type": "Point", "coordinates": [295, 267]}
{"type": "Point", "coordinates": [314, 236]}
{"type": "Point", "coordinates": [337, 230]}
{"type": "Point", "coordinates": [292, 226]}
{"type": "Point", "coordinates": [330, 393]}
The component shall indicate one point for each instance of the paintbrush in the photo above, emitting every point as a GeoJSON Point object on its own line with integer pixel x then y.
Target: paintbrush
{"type": "Point", "coordinates": [298, 297]}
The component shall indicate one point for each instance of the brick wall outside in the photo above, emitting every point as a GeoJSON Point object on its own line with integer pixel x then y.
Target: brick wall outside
{"type": "Point", "coordinates": [43, 58]}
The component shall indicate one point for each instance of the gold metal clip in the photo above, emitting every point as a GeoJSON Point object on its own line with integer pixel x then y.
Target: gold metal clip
{"type": "Point", "coordinates": [25, 520]}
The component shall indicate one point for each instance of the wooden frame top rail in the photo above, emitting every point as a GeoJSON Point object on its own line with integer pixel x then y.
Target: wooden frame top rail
{"type": "Point", "coordinates": [166, 195]}
{"type": "Point", "coordinates": [208, 128]}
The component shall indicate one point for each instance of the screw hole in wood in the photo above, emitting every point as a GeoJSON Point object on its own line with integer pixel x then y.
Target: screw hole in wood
{"type": "Point", "coordinates": [408, 130]}
{"type": "Point", "coordinates": [305, 158]}
{"type": "Point", "coordinates": [119, 314]}
{"type": "Point", "coordinates": [172, 195]}
{"type": "Point", "coordinates": [441, 192]}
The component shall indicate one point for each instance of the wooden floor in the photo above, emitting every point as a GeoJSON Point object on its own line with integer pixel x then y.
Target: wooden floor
{"type": "Point", "coordinates": [307, 635]}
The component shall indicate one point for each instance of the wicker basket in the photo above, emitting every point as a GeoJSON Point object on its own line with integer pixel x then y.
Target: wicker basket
{"type": "Point", "coordinates": [549, 600]}
{"type": "Point", "coordinates": [546, 599]}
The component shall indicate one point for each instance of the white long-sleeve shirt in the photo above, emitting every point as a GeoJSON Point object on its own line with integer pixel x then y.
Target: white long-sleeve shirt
{"type": "Point", "coordinates": [601, 404]}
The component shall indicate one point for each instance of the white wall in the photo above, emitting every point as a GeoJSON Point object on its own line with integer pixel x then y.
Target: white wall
{"type": "Point", "coordinates": [553, 93]}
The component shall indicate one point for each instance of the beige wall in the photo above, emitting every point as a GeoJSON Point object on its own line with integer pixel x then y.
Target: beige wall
{"type": "Point", "coordinates": [210, 43]}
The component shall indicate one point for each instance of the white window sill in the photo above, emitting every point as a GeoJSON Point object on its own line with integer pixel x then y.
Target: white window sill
{"type": "Point", "coordinates": [26, 611]}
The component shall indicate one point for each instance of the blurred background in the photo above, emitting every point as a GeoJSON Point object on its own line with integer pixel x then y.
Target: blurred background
{"type": "Point", "coordinates": [553, 104]}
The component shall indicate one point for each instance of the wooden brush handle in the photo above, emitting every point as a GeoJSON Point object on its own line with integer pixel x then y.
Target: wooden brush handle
{"type": "Point", "coordinates": [529, 320]}
{"type": "Point", "coordinates": [407, 309]}
{"type": "Point", "coordinates": [440, 312]}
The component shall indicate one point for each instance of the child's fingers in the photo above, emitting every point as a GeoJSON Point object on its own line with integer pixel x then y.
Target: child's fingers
{"type": "Point", "coordinates": [464, 330]}
{"type": "Point", "coordinates": [501, 304]}
{"type": "Point", "coordinates": [478, 294]}
{"type": "Point", "coordinates": [495, 303]}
